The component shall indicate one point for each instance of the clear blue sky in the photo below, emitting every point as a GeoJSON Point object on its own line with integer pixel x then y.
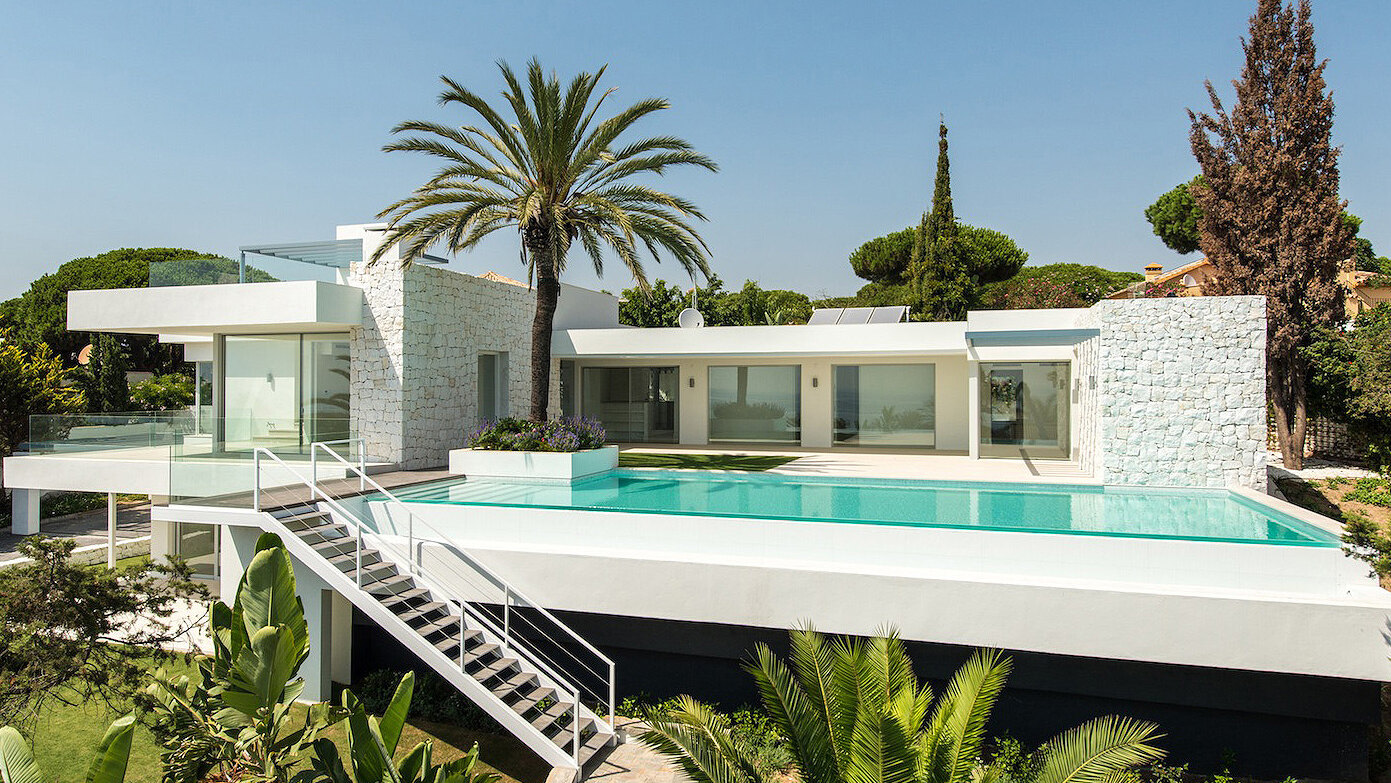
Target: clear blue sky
{"type": "Point", "coordinates": [211, 125]}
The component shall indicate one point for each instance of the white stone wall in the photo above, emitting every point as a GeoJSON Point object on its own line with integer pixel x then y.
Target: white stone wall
{"type": "Point", "coordinates": [415, 360]}
{"type": "Point", "coordinates": [377, 361]}
{"type": "Point", "coordinates": [1182, 391]}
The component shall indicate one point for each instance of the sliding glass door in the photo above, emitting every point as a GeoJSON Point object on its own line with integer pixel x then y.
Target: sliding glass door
{"type": "Point", "coordinates": [885, 405]}
{"type": "Point", "coordinates": [1025, 409]}
{"type": "Point", "coordinates": [756, 404]}
{"type": "Point", "coordinates": [285, 391]}
{"type": "Point", "coordinates": [635, 404]}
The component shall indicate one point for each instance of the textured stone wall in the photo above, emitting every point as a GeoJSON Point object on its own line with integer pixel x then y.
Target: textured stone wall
{"type": "Point", "coordinates": [377, 360]}
{"type": "Point", "coordinates": [415, 359]}
{"type": "Point", "coordinates": [1182, 391]}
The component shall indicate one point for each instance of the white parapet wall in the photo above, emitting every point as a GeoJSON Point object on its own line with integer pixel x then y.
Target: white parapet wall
{"type": "Point", "coordinates": [1249, 606]}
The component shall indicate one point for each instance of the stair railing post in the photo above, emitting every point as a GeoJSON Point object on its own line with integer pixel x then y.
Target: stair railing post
{"type": "Point", "coordinates": [256, 480]}
{"type": "Point", "coordinates": [611, 689]}
{"type": "Point", "coordinates": [313, 465]}
{"type": "Point", "coordinates": [461, 636]}
{"type": "Point", "coordinates": [358, 528]}
{"type": "Point", "coordinates": [410, 543]}
{"type": "Point", "coordinates": [507, 615]}
{"type": "Point", "coordinates": [575, 727]}
{"type": "Point", "coordinates": [361, 465]}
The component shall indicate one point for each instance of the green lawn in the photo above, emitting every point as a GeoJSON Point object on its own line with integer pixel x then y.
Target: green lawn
{"type": "Point", "coordinates": [746, 462]}
{"type": "Point", "coordinates": [66, 738]}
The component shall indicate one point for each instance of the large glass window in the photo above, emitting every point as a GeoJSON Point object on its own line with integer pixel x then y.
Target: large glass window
{"type": "Point", "coordinates": [1025, 409]}
{"type": "Point", "coordinates": [197, 545]}
{"type": "Point", "coordinates": [285, 391]}
{"type": "Point", "coordinates": [635, 404]}
{"type": "Point", "coordinates": [756, 403]}
{"type": "Point", "coordinates": [885, 405]}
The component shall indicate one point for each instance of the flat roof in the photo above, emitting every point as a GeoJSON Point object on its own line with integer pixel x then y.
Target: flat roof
{"type": "Point", "coordinates": [896, 339]}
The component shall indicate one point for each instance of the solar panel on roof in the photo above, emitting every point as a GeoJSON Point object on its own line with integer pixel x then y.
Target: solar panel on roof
{"type": "Point", "coordinates": [888, 315]}
{"type": "Point", "coordinates": [824, 315]}
{"type": "Point", "coordinates": [855, 315]}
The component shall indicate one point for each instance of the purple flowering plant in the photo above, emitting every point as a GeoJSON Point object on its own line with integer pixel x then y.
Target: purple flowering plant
{"type": "Point", "coordinates": [561, 435]}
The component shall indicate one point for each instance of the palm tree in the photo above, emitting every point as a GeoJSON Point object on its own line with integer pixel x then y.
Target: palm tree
{"type": "Point", "coordinates": [852, 711]}
{"type": "Point", "coordinates": [555, 174]}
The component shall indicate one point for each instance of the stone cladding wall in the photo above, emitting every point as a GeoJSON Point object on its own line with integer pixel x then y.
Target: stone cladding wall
{"type": "Point", "coordinates": [415, 360]}
{"type": "Point", "coordinates": [1182, 391]}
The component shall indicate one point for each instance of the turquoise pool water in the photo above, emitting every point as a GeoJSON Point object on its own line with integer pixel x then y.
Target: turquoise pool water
{"type": "Point", "coordinates": [1192, 514]}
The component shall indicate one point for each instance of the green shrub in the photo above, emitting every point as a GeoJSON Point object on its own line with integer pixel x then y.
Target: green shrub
{"type": "Point", "coordinates": [434, 700]}
{"type": "Point", "coordinates": [1372, 491]}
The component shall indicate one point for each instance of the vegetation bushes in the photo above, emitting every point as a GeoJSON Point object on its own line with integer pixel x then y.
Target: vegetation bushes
{"type": "Point", "coordinates": [852, 710]}
{"type": "Point", "coordinates": [562, 435]}
{"type": "Point", "coordinates": [434, 700]}
{"type": "Point", "coordinates": [235, 718]}
{"type": "Point", "coordinates": [170, 392]}
{"type": "Point", "coordinates": [661, 303]}
{"type": "Point", "coordinates": [60, 619]}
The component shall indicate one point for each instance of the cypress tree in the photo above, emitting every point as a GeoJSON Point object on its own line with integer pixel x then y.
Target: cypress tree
{"type": "Point", "coordinates": [1271, 220]}
{"type": "Point", "coordinates": [945, 287]}
{"type": "Point", "coordinates": [110, 390]}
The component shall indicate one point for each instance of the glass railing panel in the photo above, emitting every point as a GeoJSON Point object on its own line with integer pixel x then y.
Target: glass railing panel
{"type": "Point", "coordinates": [109, 434]}
{"type": "Point", "coordinates": [221, 468]}
{"type": "Point", "coordinates": [226, 271]}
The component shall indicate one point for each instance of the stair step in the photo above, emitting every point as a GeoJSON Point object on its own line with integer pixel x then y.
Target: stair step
{"type": "Point", "coordinates": [399, 601]}
{"type": "Point", "coordinates": [494, 669]}
{"type": "Point", "coordinates": [303, 517]}
{"type": "Point", "coordinates": [448, 623]}
{"type": "Point", "coordinates": [519, 681]}
{"type": "Point", "coordinates": [525, 703]}
{"type": "Point", "coordinates": [389, 585]}
{"type": "Point", "coordinates": [330, 547]}
{"type": "Point", "coordinates": [593, 745]}
{"type": "Point", "coordinates": [450, 646]}
{"type": "Point", "coordinates": [347, 561]}
{"type": "Point", "coordinates": [588, 746]}
{"type": "Point", "coordinates": [556, 719]}
{"type": "Point", "coordinates": [412, 613]}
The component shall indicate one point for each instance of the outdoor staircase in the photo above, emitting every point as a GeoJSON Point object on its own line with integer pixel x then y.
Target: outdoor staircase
{"type": "Point", "coordinates": [439, 606]}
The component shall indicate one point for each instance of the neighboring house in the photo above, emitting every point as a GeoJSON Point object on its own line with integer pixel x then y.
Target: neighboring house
{"type": "Point", "coordinates": [1362, 290]}
{"type": "Point", "coordinates": [1104, 426]}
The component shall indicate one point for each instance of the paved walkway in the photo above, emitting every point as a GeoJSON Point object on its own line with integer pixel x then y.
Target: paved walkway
{"type": "Point", "coordinates": [86, 527]}
{"type": "Point", "coordinates": [634, 762]}
{"type": "Point", "coordinates": [942, 466]}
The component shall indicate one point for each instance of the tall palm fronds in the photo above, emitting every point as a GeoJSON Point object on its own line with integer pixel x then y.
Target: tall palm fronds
{"type": "Point", "coordinates": [852, 711]}
{"type": "Point", "coordinates": [558, 174]}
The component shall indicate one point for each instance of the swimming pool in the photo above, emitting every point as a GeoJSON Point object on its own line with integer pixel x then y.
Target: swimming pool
{"type": "Point", "coordinates": [1176, 514]}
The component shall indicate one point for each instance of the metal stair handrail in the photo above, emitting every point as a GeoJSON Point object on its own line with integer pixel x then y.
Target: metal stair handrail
{"type": "Point", "coordinates": [418, 569]}
{"type": "Point", "coordinates": [510, 591]}
{"type": "Point", "coordinates": [573, 694]}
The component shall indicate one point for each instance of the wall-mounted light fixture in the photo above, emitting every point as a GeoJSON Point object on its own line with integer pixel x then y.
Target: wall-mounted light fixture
{"type": "Point", "coordinates": [690, 382]}
{"type": "Point", "coordinates": [814, 382]}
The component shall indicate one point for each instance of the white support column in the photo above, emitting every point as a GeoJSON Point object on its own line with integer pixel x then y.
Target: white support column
{"type": "Point", "coordinates": [24, 517]}
{"type": "Point", "coordinates": [238, 547]}
{"type": "Point", "coordinates": [111, 530]}
{"type": "Point", "coordinates": [342, 639]}
{"type": "Point", "coordinates": [317, 670]}
{"type": "Point", "coordinates": [973, 408]}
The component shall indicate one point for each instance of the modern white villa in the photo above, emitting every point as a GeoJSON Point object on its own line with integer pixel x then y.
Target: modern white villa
{"type": "Point", "coordinates": [1084, 488]}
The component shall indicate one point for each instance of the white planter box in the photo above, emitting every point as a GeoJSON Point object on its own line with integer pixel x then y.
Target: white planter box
{"type": "Point", "coordinates": [564, 466]}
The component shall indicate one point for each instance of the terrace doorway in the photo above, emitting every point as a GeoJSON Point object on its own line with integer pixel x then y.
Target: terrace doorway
{"type": "Point", "coordinates": [1025, 410]}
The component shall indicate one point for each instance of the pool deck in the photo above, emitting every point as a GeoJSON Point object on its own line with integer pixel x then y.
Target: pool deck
{"type": "Point", "coordinates": [939, 466]}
